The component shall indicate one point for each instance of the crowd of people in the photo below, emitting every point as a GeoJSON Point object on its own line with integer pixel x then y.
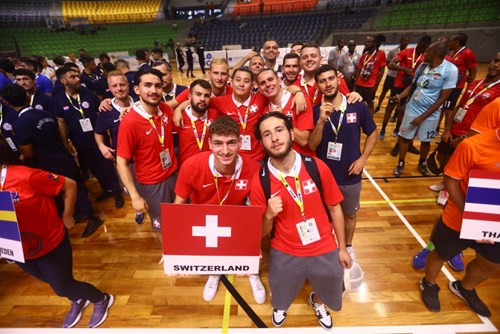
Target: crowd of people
{"type": "Point", "coordinates": [290, 133]}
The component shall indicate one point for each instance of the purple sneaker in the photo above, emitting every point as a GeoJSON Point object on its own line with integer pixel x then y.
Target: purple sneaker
{"type": "Point", "coordinates": [101, 310]}
{"type": "Point", "coordinates": [75, 313]}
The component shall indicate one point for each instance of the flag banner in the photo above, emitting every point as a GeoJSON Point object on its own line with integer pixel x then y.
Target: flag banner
{"type": "Point", "coordinates": [211, 239]}
{"type": "Point", "coordinates": [481, 219]}
{"type": "Point", "coordinates": [10, 239]}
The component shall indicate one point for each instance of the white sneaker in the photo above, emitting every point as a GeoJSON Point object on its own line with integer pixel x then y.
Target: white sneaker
{"type": "Point", "coordinates": [211, 287]}
{"type": "Point", "coordinates": [279, 317]}
{"type": "Point", "coordinates": [259, 292]}
{"type": "Point", "coordinates": [352, 254]}
{"type": "Point", "coordinates": [437, 187]}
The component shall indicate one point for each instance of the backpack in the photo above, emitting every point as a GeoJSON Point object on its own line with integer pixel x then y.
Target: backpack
{"type": "Point", "coordinates": [312, 169]}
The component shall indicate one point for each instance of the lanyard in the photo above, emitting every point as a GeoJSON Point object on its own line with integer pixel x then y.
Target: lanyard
{"type": "Point", "coordinates": [342, 109]}
{"type": "Point", "coordinates": [79, 104]}
{"type": "Point", "coordinates": [32, 99]}
{"type": "Point", "coordinates": [297, 197]}
{"type": "Point", "coordinates": [243, 121]}
{"type": "Point", "coordinates": [147, 116]}
{"type": "Point", "coordinates": [22, 111]}
{"type": "Point", "coordinates": [172, 93]}
{"type": "Point", "coordinates": [456, 54]}
{"type": "Point", "coordinates": [3, 176]}
{"type": "Point", "coordinates": [413, 61]}
{"type": "Point", "coordinates": [471, 100]}
{"type": "Point", "coordinates": [351, 58]}
{"type": "Point", "coordinates": [217, 189]}
{"type": "Point", "coordinates": [367, 60]}
{"type": "Point", "coordinates": [1, 116]}
{"type": "Point", "coordinates": [426, 71]}
{"type": "Point", "coordinates": [204, 132]}
{"type": "Point", "coordinates": [304, 84]}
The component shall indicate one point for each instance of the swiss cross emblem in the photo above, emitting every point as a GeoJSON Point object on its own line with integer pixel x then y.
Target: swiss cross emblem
{"type": "Point", "coordinates": [241, 185]}
{"type": "Point", "coordinates": [253, 108]}
{"type": "Point", "coordinates": [351, 118]}
{"type": "Point", "coordinates": [309, 187]}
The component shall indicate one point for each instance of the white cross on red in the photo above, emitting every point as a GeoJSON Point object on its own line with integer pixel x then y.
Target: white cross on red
{"type": "Point", "coordinates": [309, 186]}
{"type": "Point", "coordinates": [241, 185]}
{"type": "Point", "coordinates": [253, 108]}
{"type": "Point", "coordinates": [211, 231]}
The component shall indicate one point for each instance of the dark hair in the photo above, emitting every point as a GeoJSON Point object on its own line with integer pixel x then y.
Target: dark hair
{"type": "Point", "coordinates": [28, 61]}
{"type": "Point", "coordinates": [104, 55]}
{"type": "Point", "coordinates": [7, 66]}
{"type": "Point", "coordinates": [277, 114]}
{"type": "Point", "coordinates": [243, 69]}
{"type": "Point", "coordinates": [24, 71]}
{"type": "Point", "coordinates": [441, 49]}
{"type": "Point", "coordinates": [15, 95]}
{"type": "Point", "coordinates": [7, 156]}
{"type": "Point", "coordinates": [87, 60]}
{"type": "Point", "coordinates": [71, 65]}
{"type": "Point", "coordinates": [63, 70]}
{"type": "Point", "coordinates": [224, 125]}
{"type": "Point", "coordinates": [379, 39]}
{"type": "Point", "coordinates": [296, 43]}
{"type": "Point", "coordinates": [202, 83]}
{"type": "Point", "coordinates": [291, 55]}
{"type": "Point", "coordinates": [140, 54]}
{"type": "Point", "coordinates": [461, 37]}
{"type": "Point", "coordinates": [158, 51]}
{"type": "Point", "coordinates": [322, 69]}
{"type": "Point", "coordinates": [162, 62]}
{"type": "Point", "coordinates": [138, 76]}
{"type": "Point", "coordinates": [59, 60]}
{"type": "Point", "coordinates": [108, 67]}
{"type": "Point", "coordinates": [426, 39]}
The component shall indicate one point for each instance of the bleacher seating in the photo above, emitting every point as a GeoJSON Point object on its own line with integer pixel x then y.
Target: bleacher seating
{"type": "Point", "coordinates": [273, 7]}
{"type": "Point", "coordinates": [253, 31]}
{"type": "Point", "coordinates": [114, 11]}
{"type": "Point", "coordinates": [441, 12]}
{"type": "Point", "coordinates": [29, 13]}
{"type": "Point", "coordinates": [117, 37]}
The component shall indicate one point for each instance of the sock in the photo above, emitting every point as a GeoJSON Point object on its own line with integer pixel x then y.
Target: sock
{"type": "Point", "coordinates": [384, 124]}
{"type": "Point", "coordinates": [421, 161]}
{"type": "Point", "coordinates": [401, 162]}
{"type": "Point", "coordinates": [430, 246]}
{"type": "Point", "coordinates": [348, 246]}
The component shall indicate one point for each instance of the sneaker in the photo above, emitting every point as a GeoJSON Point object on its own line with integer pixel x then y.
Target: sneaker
{"type": "Point", "coordinates": [101, 310]}
{"type": "Point", "coordinates": [92, 226]}
{"type": "Point", "coordinates": [395, 133]}
{"type": "Point", "coordinates": [139, 218]}
{"type": "Point", "coordinates": [381, 135]}
{"type": "Point", "coordinates": [398, 170]}
{"type": "Point", "coordinates": [211, 287]}
{"type": "Point", "coordinates": [418, 260]}
{"type": "Point", "coordinates": [456, 263]}
{"type": "Point", "coordinates": [430, 295]}
{"type": "Point", "coordinates": [119, 203]}
{"type": "Point", "coordinates": [413, 149]}
{"type": "Point", "coordinates": [258, 290]}
{"type": "Point", "coordinates": [437, 187]}
{"type": "Point", "coordinates": [279, 317]}
{"type": "Point", "coordinates": [79, 216]}
{"type": "Point", "coordinates": [352, 254]}
{"type": "Point", "coordinates": [75, 313]}
{"type": "Point", "coordinates": [422, 168]}
{"type": "Point", "coordinates": [471, 298]}
{"type": "Point", "coordinates": [324, 318]}
{"type": "Point", "coordinates": [443, 197]}
{"type": "Point", "coordinates": [395, 150]}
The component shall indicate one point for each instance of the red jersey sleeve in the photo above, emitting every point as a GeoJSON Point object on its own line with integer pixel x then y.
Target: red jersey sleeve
{"type": "Point", "coordinates": [184, 96]}
{"type": "Point", "coordinates": [183, 186]}
{"type": "Point", "coordinates": [126, 138]}
{"type": "Point", "coordinates": [343, 86]}
{"type": "Point", "coordinates": [46, 183]}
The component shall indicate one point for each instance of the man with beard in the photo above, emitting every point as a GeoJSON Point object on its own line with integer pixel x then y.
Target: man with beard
{"type": "Point", "coordinates": [270, 53]}
{"type": "Point", "coordinates": [435, 80]}
{"type": "Point", "coordinates": [170, 88]}
{"type": "Point", "coordinates": [38, 100]}
{"type": "Point", "coordinates": [303, 244]}
{"type": "Point", "coordinates": [146, 136]}
{"type": "Point", "coordinates": [219, 177]}
{"type": "Point", "coordinates": [291, 69]}
{"type": "Point", "coordinates": [336, 139]}
{"type": "Point", "coordinates": [196, 119]}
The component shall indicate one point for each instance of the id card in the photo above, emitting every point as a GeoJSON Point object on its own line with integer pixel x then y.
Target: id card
{"type": "Point", "coordinates": [350, 69]}
{"type": "Point", "coordinates": [459, 116]}
{"type": "Point", "coordinates": [86, 124]}
{"type": "Point", "coordinates": [165, 159]}
{"type": "Point", "coordinates": [11, 144]}
{"type": "Point", "coordinates": [416, 95]}
{"type": "Point", "coordinates": [334, 151]}
{"type": "Point", "coordinates": [308, 231]}
{"type": "Point", "coordinates": [246, 142]}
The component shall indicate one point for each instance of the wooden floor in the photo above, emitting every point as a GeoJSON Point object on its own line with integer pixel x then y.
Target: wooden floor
{"type": "Point", "coordinates": [122, 258]}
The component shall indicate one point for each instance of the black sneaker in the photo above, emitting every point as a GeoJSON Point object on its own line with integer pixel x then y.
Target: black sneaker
{"type": "Point", "coordinates": [139, 218]}
{"type": "Point", "coordinates": [395, 150]}
{"type": "Point", "coordinates": [422, 168]}
{"type": "Point", "coordinates": [413, 149]}
{"type": "Point", "coordinates": [324, 318]}
{"type": "Point", "coordinates": [119, 203]}
{"type": "Point", "coordinates": [92, 226]}
{"type": "Point", "coordinates": [471, 298]}
{"type": "Point", "coordinates": [279, 317]}
{"type": "Point", "coordinates": [398, 170]}
{"type": "Point", "coordinates": [430, 295]}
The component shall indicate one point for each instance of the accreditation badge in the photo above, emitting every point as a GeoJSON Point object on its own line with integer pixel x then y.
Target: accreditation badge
{"type": "Point", "coordinates": [246, 142]}
{"type": "Point", "coordinates": [334, 151]}
{"type": "Point", "coordinates": [459, 116]}
{"type": "Point", "coordinates": [165, 159]}
{"type": "Point", "coordinates": [11, 144]}
{"type": "Point", "coordinates": [308, 231]}
{"type": "Point", "coordinates": [86, 125]}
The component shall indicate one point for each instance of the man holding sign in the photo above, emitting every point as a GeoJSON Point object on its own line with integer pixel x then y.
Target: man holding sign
{"type": "Point", "coordinates": [220, 177]}
{"type": "Point", "coordinates": [475, 154]}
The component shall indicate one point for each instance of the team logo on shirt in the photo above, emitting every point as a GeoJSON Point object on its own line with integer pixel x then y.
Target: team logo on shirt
{"type": "Point", "coordinates": [241, 185]}
{"type": "Point", "coordinates": [351, 118]}
{"type": "Point", "coordinates": [165, 119]}
{"type": "Point", "coordinates": [53, 177]}
{"type": "Point", "coordinates": [436, 76]}
{"type": "Point", "coordinates": [14, 195]}
{"type": "Point", "coordinates": [485, 96]}
{"type": "Point", "coordinates": [254, 108]}
{"type": "Point", "coordinates": [7, 126]}
{"type": "Point", "coordinates": [309, 187]}
{"type": "Point", "coordinates": [38, 107]}
{"type": "Point", "coordinates": [66, 108]}
{"type": "Point", "coordinates": [85, 104]}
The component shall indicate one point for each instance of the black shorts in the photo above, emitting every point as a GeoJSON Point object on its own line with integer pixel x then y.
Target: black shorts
{"type": "Point", "coordinates": [445, 149]}
{"type": "Point", "coordinates": [451, 102]}
{"type": "Point", "coordinates": [366, 93]}
{"type": "Point", "coordinates": [447, 243]}
{"type": "Point", "coordinates": [388, 83]}
{"type": "Point", "coordinates": [397, 90]}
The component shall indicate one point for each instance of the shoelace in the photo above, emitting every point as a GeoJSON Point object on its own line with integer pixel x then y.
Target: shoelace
{"type": "Point", "coordinates": [321, 311]}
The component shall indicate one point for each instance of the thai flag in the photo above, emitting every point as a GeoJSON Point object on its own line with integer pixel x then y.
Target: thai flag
{"type": "Point", "coordinates": [481, 218]}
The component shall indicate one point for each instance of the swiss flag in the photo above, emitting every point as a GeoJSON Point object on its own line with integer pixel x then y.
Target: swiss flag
{"type": "Point", "coordinates": [309, 187]}
{"type": "Point", "coordinates": [210, 235]}
{"type": "Point", "coordinates": [241, 185]}
{"type": "Point", "coordinates": [351, 117]}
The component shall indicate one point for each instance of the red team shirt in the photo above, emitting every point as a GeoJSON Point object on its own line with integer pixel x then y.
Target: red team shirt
{"type": "Point", "coordinates": [377, 61]}
{"type": "Point", "coordinates": [303, 121]}
{"type": "Point", "coordinates": [286, 238]}
{"type": "Point", "coordinates": [464, 59]}
{"type": "Point", "coordinates": [475, 107]}
{"type": "Point", "coordinates": [184, 96]}
{"type": "Point", "coordinates": [255, 105]}
{"type": "Point", "coordinates": [138, 139]}
{"type": "Point", "coordinates": [197, 181]}
{"type": "Point", "coordinates": [33, 192]}
{"type": "Point", "coordinates": [313, 92]}
{"type": "Point", "coordinates": [409, 59]}
{"type": "Point", "coordinates": [188, 145]}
